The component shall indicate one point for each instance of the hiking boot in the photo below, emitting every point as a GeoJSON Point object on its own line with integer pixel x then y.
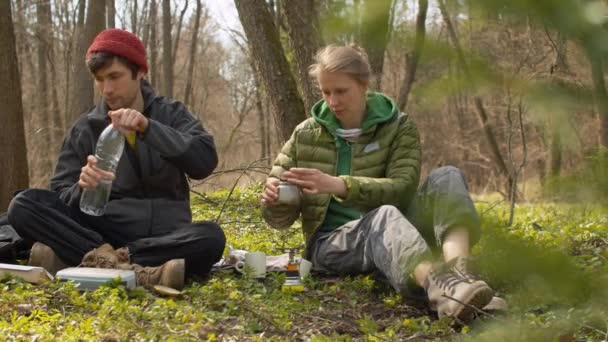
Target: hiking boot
{"type": "Point", "coordinates": [496, 305]}
{"type": "Point", "coordinates": [463, 267]}
{"type": "Point", "coordinates": [170, 274]}
{"type": "Point", "coordinates": [453, 295]}
{"type": "Point", "coordinates": [105, 256]}
{"type": "Point", "coordinates": [44, 256]}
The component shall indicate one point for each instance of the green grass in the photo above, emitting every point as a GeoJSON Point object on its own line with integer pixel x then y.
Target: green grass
{"type": "Point", "coordinates": [551, 265]}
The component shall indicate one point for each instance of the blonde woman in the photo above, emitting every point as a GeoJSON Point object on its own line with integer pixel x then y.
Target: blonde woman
{"type": "Point", "coordinates": [357, 162]}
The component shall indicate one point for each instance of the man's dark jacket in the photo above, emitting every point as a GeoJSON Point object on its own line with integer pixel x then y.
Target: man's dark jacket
{"type": "Point", "coordinates": [150, 194]}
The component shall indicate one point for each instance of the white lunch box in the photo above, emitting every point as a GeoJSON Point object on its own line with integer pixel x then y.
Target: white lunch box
{"type": "Point", "coordinates": [88, 278]}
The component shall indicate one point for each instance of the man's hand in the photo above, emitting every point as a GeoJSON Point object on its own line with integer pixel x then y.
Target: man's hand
{"type": "Point", "coordinates": [90, 175]}
{"type": "Point", "coordinates": [270, 195]}
{"type": "Point", "coordinates": [127, 119]}
{"type": "Point", "coordinates": [313, 181]}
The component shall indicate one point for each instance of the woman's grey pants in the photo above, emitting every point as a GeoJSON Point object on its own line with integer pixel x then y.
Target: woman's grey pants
{"type": "Point", "coordinates": [387, 241]}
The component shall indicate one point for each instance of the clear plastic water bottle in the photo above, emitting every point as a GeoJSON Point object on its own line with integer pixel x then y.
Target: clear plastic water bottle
{"type": "Point", "coordinates": [108, 151]}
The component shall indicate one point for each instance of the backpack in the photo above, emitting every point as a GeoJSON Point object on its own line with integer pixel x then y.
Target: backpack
{"type": "Point", "coordinates": [12, 246]}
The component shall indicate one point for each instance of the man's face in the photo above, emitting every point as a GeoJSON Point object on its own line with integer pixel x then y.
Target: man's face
{"type": "Point", "coordinates": [117, 86]}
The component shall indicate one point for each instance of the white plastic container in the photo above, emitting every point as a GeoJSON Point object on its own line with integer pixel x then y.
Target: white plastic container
{"type": "Point", "coordinates": [89, 278]}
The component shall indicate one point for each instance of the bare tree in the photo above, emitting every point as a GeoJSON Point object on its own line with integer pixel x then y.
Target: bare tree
{"type": "Point", "coordinates": [375, 31]}
{"type": "Point", "coordinates": [305, 38]}
{"type": "Point", "coordinates": [272, 65]}
{"type": "Point", "coordinates": [179, 31]}
{"type": "Point", "coordinates": [481, 111]}
{"type": "Point", "coordinates": [192, 58]}
{"type": "Point", "coordinates": [13, 153]}
{"type": "Point", "coordinates": [134, 16]}
{"type": "Point", "coordinates": [111, 14]}
{"type": "Point", "coordinates": [43, 33]}
{"type": "Point", "coordinates": [153, 43]}
{"type": "Point", "coordinates": [600, 94]}
{"type": "Point", "coordinates": [81, 83]}
{"type": "Point", "coordinates": [167, 58]}
{"type": "Point", "coordinates": [413, 57]}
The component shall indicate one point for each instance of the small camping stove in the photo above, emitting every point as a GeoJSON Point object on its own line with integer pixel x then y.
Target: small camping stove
{"type": "Point", "coordinates": [292, 283]}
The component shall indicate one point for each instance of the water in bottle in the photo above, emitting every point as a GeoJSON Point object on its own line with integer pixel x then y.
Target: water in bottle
{"type": "Point", "coordinates": [107, 152]}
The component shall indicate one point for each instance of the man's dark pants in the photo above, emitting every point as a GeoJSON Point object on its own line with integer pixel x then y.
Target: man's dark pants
{"type": "Point", "coordinates": [39, 215]}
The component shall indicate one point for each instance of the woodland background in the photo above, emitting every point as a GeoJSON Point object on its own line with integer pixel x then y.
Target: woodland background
{"type": "Point", "coordinates": [512, 92]}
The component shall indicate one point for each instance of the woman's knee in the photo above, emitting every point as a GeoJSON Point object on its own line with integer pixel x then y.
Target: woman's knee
{"type": "Point", "coordinates": [389, 210]}
{"type": "Point", "coordinates": [445, 171]}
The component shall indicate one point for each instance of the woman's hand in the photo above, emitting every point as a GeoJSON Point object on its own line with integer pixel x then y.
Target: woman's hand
{"type": "Point", "coordinates": [270, 195]}
{"type": "Point", "coordinates": [313, 181]}
{"type": "Point", "coordinates": [91, 175]}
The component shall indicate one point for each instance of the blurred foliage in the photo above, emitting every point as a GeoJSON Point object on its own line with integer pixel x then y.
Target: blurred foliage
{"type": "Point", "coordinates": [551, 266]}
{"type": "Point", "coordinates": [589, 182]}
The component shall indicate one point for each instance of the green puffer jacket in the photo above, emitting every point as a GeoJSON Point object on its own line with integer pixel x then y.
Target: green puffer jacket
{"type": "Point", "coordinates": [385, 167]}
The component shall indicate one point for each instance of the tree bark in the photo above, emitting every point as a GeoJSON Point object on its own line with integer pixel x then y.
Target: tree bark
{"type": "Point", "coordinates": [272, 64]}
{"type": "Point", "coordinates": [375, 31]}
{"type": "Point", "coordinates": [153, 43]}
{"type": "Point", "coordinates": [111, 14]}
{"type": "Point", "coordinates": [192, 59]}
{"type": "Point", "coordinates": [81, 83]}
{"type": "Point", "coordinates": [305, 38]}
{"type": "Point", "coordinates": [179, 32]}
{"type": "Point", "coordinates": [44, 30]}
{"type": "Point", "coordinates": [600, 95]}
{"type": "Point", "coordinates": [134, 16]}
{"type": "Point", "coordinates": [413, 58]}
{"type": "Point", "coordinates": [167, 58]}
{"type": "Point", "coordinates": [13, 152]}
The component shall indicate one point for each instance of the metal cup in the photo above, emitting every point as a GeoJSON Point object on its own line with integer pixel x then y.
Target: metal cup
{"type": "Point", "coordinates": [289, 194]}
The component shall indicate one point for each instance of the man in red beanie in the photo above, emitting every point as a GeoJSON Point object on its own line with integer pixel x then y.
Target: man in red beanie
{"type": "Point", "coordinates": [148, 217]}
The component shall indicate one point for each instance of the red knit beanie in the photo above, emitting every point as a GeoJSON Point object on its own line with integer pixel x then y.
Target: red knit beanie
{"type": "Point", "coordinates": [121, 43]}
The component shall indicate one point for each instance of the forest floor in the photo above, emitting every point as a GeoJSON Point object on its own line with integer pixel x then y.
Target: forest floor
{"type": "Point", "coordinates": [551, 265]}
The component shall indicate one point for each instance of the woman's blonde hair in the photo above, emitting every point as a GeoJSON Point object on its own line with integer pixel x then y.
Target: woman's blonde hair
{"type": "Point", "coordinates": [349, 59]}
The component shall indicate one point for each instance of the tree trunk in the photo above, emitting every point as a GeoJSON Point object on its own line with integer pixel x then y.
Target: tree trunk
{"type": "Point", "coordinates": [167, 58]}
{"type": "Point", "coordinates": [192, 59]}
{"type": "Point", "coordinates": [413, 58]}
{"type": "Point", "coordinates": [375, 31]}
{"type": "Point", "coordinates": [70, 63]}
{"type": "Point", "coordinates": [81, 83]}
{"type": "Point", "coordinates": [305, 38]}
{"type": "Point", "coordinates": [111, 13]}
{"type": "Point", "coordinates": [134, 16]}
{"type": "Point", "coordinates": [558, 69]}
{"type": "Point", "coordinates": [13, 153]}
{"type": "Point", "coordinates": [43, 122]}
{"type": "Point", "coordinates": [153, 43]}
{"type": "Point", "coordinates": [179, 32]}
{"type": "Point", "coordinates": [272, 64]}
{"type": "Point", "coordinates": [600, 95]}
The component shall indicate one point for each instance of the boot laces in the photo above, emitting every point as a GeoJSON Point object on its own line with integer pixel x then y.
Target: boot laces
{"type": "Point", "coordinates": [447, 279]}
{"type": "Point", "coordinates": [97, 259]}
{"type": "Point", "coordinates": [461, 266]}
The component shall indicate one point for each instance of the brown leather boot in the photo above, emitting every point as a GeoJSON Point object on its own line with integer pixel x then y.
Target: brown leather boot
{"type": "Point", "coordinates": [105, 256]}
{"type": "Point", "coordinates": [170, 274]}
{"type": "Point", "coordinates": [44, 256]}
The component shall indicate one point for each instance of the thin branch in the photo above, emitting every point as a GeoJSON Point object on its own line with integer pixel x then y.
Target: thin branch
{"type": "Point", "coordinates": [217, 219]}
